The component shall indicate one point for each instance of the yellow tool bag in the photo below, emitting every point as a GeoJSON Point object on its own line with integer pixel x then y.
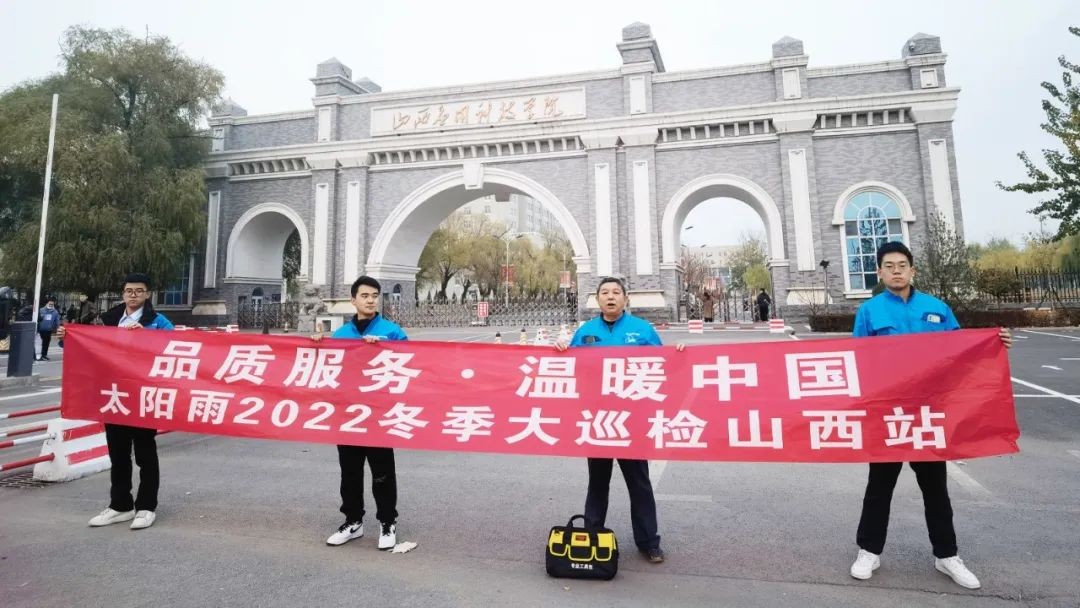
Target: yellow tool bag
{"type": "Point", "coordinates": [581, 552]}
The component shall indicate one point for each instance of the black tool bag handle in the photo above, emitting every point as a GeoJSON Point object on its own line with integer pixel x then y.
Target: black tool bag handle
{"type": "Point", "coordinates": [570, 524]}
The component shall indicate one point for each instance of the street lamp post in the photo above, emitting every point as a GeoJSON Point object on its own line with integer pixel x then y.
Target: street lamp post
{"type": "Point", "coordinates": [825, 267]}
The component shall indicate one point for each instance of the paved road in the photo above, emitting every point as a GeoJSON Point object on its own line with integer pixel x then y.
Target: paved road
{"type": "Point", "coordinates": [242, 523]}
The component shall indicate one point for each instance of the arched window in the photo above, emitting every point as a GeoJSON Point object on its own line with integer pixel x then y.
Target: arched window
{"type": "Point", "coordinates": [871, 219]}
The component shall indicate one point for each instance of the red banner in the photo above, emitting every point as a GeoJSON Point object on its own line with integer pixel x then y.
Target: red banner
{"type": "Point", "coordinates": [935, 396]}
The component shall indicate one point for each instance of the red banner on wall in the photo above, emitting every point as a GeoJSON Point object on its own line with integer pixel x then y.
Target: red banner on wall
{"type": "Point", "coordinates": [936, 396]}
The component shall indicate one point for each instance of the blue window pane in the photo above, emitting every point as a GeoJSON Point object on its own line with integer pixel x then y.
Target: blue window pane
{"type": "Point", "coordinates": [879, 243]}
{"type": "Point", "coordinates": [879, 228]}
{"type": "Point", "coordinates": [853, 247]}
{"type": "Point", "coordinates": [857, 281]}
{"type": "Point", "coordinates": [872, 213]}
{"type": "Point", "coordinates": [855, 264]}
{"type": "Point", "coordinates": [869, 263]}
{"type": "Point", "coordinates": [871, 280]}
{"type": "Point", "coordinates": [851, 211]}
{"type": "Point", "coordinates": [890, 207]}
{"type": "Point", "coordinates": [866, 245]}
{"type": "Point", "coordinates": [899, 238]}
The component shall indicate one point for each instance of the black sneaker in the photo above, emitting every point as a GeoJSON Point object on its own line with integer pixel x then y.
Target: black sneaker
{"type": "Point", "coordinates": [655, 555]}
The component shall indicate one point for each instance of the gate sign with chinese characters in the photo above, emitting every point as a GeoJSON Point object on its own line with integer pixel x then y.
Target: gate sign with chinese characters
{"type": "Point", "coordinates": [540, 106]}
{"type": "Point", "coordinates": [900, 398]}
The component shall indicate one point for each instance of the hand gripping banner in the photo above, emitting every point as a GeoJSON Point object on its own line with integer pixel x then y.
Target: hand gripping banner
{"type": "Point", "coordinates": [938, 396]}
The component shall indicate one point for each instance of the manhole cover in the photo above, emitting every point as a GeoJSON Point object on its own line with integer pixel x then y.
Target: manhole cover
{"type": "Point", "coordinates": [24, 479]}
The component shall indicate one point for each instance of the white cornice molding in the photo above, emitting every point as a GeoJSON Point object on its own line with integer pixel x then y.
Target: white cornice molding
{"type": "Point", "coordinates": [274, 117]}
{"type": "Point", "coordinates": [932, 102]}
{"type": "Point", "coordinates": [730, 70]}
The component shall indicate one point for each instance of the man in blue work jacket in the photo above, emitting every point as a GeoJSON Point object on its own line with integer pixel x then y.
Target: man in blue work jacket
{"type": "Point", "coordinates": [616, 327]}
{"type": "Point", "coordinates": [370, 326]}
{"type": "Point", "coordinates": [901, 309]}
{"type": "Point", "coordinates": [136, 312]}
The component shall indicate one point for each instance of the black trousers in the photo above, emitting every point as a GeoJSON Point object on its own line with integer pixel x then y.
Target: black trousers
{"type": "Point", "coordinates": [763, 313]}
{"type": "Point", "coordinates": [46, 337]}
{"type": "Point", "coordinates": [383, 482]}
{"type": "Point", "coordinates": [874, 523]}
{"type": "Point", "coordinates": [642, 502]}
{"type": "Point", "coordinates": [121, 439]}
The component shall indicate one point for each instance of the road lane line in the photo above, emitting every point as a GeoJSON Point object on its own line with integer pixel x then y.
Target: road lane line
{"type": "Point", "coordinates": [1074, 452]}
{"type": "Point", "coordinates": [1048, 391]}
{"type": "Point", "coordinates": [1042, 396]}
{"type": "Point", "coordinates": [656, 471]}
{"type": "Point", "coordinates": [1046, 333]}
{"type": "Point", "coordinates": [1053, 367]}
{"type": "Point", "coordinates": [966, 481]}
{"type": "Point", "coordinates": [683, 498]}
{"type": "Point", "coordinates": [48, 391]}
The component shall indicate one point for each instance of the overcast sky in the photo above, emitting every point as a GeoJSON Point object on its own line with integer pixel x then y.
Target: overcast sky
{"type": "Point", "coordinates": [998, 52]}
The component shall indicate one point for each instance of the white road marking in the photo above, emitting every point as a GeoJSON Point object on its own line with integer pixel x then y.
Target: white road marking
{"type": "Point", "coordinates": [1074, 452]}
{"type": "Point", "coordinates": [1053, 367]}
{"type": "Point", "coordinates": [47, 391]}
{"type": "Point", "coordinates": [794, 337]}
{"type": "Point", "coordinates": [656, 471]}
{"type": "Point", "coordinates": [683, 498]}
{"type": "Point", "coordinates": [1020, 337]}
{"type": "Point", "coordinates": [966, 481]}
{"type": "Point", "coordinates": [1046, 333]}
{"type": "Point", "coordinates": [1048, 391]}
{"type": "Point", "coordinates": [1070, 358]}
{"type": "Point", "coordinates": [1044, 396]}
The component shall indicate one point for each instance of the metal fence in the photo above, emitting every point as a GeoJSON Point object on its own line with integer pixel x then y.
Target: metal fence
{"type": "Point", "coordinates": [1033, 287]}
{"type": "Point", "coordinates": [273, 315]}
{"type": "Point", "coordinates": [518, 313]}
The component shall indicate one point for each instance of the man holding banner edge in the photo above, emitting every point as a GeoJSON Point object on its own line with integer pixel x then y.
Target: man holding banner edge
{"type": "Point", "coordinates": [901, 309]}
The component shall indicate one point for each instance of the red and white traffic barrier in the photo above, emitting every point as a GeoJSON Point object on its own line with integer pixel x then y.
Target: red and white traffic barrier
{"type": "Point", "coordinates": [33, 412]}
{"type": "Point", "coordinates": [776, 326]}
{"type": "Point", "coordinates": [695, 326]}
{"type": "Point", "coordinates": [77, 448]}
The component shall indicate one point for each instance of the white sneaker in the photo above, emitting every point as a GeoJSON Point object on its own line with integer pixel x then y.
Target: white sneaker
{"type": "Point", "coordinates": [143, 519]}
{"type": "Point", "coordinates": [865, 564]}
{"type": "Point", "coordinates": [955, 569]}
{"type": "Point", "coordinates": [346, 532]}
{"type": "Point", "coordinates": [111, 516]}
{"type": "Point", "coordinates": [387, 537]}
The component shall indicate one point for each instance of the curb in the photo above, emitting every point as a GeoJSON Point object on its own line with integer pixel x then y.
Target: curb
{"type": "Point", "coordinates": [31, 380]}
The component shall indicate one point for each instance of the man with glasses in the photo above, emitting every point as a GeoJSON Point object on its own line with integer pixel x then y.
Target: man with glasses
{"type": "Point", "coordinates": [901, 309]}
{"type": "Point", "coordinates": [135, 313]}
{"type": "Point", "coordinates": [370, 327]}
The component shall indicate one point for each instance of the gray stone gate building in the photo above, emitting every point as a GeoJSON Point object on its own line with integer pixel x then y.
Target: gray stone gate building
{"type": "Point", "coordinates": [835, 160]}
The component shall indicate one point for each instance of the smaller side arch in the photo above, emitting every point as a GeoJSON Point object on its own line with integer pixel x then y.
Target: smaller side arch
{"type": "Point", "coordinates": [906, 212]}
{"type": "Point", "coordinates": [251, 214]}
{"type": "Point", "coordinates": [726, 186]}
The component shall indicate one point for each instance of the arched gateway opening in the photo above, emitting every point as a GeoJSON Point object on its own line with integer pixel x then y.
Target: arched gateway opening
{"type": "Point", "coordinates": [396, 250]}
{"type": "Point", "coordinates": [698, 271]}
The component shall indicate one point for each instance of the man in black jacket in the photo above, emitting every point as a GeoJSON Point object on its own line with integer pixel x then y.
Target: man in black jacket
{"type": "Point", "coordinates": [135, 313]}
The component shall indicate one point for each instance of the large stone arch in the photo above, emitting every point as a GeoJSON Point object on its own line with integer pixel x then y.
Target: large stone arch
{"type": "Point", "coordinates": [721, 186]}
{"type": "Point", "coordinates": [397, 246]}
{"type": "Point", "coordinates": [257, 242]}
